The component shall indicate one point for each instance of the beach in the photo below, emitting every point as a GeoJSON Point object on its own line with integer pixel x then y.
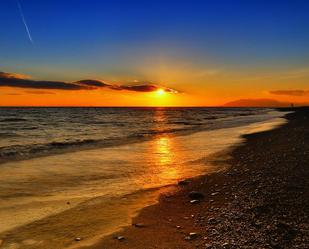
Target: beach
{"type": "Point", "coordinates": [154, 124]}
{"type": "Point", "coordinates": [137, 193]}
{"type": "Point", "coordinates": [261, 201]}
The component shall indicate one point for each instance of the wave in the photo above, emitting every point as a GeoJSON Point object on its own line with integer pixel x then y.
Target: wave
{"type": "Point", "coordinates": [12, 120]}
{"type": "Point", "coordinates": [32, 150]}
{"type": "Point", "coordinates": [7, 135]}
{"type": "Point", "coordinates": [20, 152]}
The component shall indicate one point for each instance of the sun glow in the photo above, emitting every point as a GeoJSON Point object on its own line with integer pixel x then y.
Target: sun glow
{"type": "Point", "coordinates": [160, 92]}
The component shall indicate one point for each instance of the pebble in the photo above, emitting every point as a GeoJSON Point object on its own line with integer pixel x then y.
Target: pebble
{"type": "Point", "coordinates": [138, 225]}
{"type": "Point", "coordinates": [226, 245]}
{"type": "Point", "coordinates": [194, 201]}
{"type": "Point", "coordinates": [191, 236]}
{"type": "Point", "coordinates": [120, 238]}
{"type": "Point", "coordinates": [77, 239]}
{"type": "Point", "coordinates": [212, 221]}
{"type": "Point", "coordinates": [184, 182]}
{"type": "Point", "coordinates": [196, 195]}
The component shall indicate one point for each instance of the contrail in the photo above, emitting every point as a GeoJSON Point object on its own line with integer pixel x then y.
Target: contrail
{"type": "Point", "coordinates": [24, 21]}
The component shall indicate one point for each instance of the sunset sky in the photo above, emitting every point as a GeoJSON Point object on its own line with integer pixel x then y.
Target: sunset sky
{"type": "Point", "coordinates": [153, 53]}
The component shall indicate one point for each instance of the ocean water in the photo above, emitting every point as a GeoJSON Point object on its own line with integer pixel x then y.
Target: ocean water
{"type": "Point", "coordinates": [84, 172]}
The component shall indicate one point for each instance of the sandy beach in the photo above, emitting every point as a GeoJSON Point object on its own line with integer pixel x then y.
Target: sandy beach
{"type": "Point", "coordinates": [262, 201]}
{"type": "Point", "coordinates": [154, 124]}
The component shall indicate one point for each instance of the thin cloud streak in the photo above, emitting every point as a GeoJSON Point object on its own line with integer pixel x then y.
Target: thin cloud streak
{"type": "Point", "coordinates": [291, 92]}
{"type": "Point", "coordinates": [24, 21]}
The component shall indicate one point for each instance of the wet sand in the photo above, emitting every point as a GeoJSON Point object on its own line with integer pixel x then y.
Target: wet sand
{"type": "Point", "coordinates": [262, 201]}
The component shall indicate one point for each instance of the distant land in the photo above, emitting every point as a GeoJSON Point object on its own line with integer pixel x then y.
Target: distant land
{"type": "Point", "coordinates": [261, 103]}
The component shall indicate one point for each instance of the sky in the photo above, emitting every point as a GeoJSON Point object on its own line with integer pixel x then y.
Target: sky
{"type": "Point", "coordinates": [154, 53]}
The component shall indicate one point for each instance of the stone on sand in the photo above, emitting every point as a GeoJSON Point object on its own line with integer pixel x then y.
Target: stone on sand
{"type": "Point", "coordinates": [196, 195]}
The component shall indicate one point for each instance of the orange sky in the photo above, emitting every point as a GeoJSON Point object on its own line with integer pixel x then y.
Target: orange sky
{"type": "Point", "coordinates": [195, 86]}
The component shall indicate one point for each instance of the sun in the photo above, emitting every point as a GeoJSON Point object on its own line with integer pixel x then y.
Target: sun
{"type": "Point", "coordinates": [160, 92]}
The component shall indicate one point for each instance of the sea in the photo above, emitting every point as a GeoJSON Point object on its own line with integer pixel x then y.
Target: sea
{"type": "Point", "coordinates": [68, 173]}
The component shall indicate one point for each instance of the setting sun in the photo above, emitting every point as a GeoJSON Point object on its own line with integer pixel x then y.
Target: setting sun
{"type": "Point", "coordinates": [160, 92]}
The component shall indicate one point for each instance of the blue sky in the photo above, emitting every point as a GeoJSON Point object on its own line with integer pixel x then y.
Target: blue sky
{"type": "Point", "coordinates": [117, 39]}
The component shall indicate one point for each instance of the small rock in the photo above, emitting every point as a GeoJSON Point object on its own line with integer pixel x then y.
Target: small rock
{"type": "Point", "coordinates": [212, 221]}
{"type": "Point", "coordinates": [193, 235]}
{"type": "Point", "coordinates": [184, 182]}
{"type": "Point", "coordinates": [194, 201]}
{"type": "Point", "coordinates": [77, 239]}
{"type": "Point", "coordinates": [178, 227]}
{"type": "Point", "coordinates": [226, 245]}
{"type": "Point", "coordinates": [214, 232]}
{"type": "Point", "coordinates": [138, 225]}
{"type": "Point", "coordinates": [196, 195]}
{"type": "Point", "coordinates": [120, 238]}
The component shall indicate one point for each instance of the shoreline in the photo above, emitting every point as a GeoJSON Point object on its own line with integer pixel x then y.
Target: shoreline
{"type": "Point", "coordinates": [96, 217]}
{"type": "Point", "coordinates": [59, 148]}
{"type": "Point", "coordinates": [257, 203]}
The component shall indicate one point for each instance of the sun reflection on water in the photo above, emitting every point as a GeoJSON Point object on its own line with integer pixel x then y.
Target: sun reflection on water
{"type": "Point", "coordinates": [165, 153]}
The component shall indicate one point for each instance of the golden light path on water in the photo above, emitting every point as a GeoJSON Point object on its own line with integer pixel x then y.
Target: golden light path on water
{"type": "Point", "coordinates": [165, 152]}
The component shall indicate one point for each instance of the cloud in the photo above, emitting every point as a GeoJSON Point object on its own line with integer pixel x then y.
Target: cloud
{"type": "Point", "coordinates": [140, 88]}
{"type": "Point", "coordinates": [94, 83]}
{"type": "Point", "coordinates": [39, 92]}
{"type": "Point", "coordinates": [23, 81]}
{"type": "Point", "coordinates": [291, 92]}
{"type": "Point", "coordinates": [17, 80]}
{"type": "Point", "coordinates": [14, 75]}
{"type": "Point", "coordinates": [143, 87]}
{"type": "Point", "coordinates": [13, 94]}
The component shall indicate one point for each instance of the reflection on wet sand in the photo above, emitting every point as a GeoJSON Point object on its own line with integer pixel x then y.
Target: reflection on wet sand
{"type": "Point", "coordinates": [165, 158]}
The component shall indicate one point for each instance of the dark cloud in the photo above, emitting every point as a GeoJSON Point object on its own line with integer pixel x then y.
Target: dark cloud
{"type": "Point", "coordinates": [95, 83]}
{"type": "Point", "coordinates": [140, 88]}
{"type": "Point", "coordinates": [290, 92]}
{"type": "Point", "coordinates": [13, 94]}
{"type": "Point", "coordinates": [11, 80]}
{"type": "Point", "coordinates": [23, 81]}
{"type": "Point", "coordinates": [144, 87]}
{"type": "Point", "coordinates": [14, 75]}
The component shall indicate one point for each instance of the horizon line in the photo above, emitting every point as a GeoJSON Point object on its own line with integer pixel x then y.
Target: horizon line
{"type": "Point", "coordinates": [86, 106]}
